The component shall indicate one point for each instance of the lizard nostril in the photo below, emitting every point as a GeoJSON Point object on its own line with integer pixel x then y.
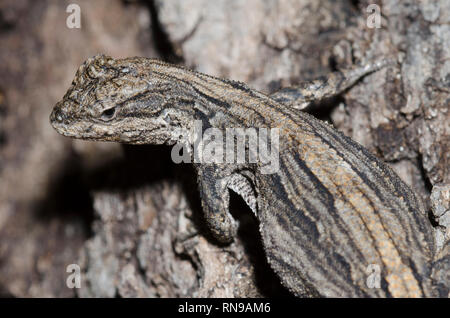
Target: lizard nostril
{"type": "Point", "coordinates": [57, 116]}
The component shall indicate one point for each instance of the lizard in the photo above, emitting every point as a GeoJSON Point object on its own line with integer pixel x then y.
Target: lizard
{"type": "Point", "coordinates": [332, 209]}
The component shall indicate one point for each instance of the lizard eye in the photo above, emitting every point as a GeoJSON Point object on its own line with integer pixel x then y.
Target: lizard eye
{"type": "Point", "coordinates": [108, 114]}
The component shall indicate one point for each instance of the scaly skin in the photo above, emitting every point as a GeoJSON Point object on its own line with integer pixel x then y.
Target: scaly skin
{"type": "Point", "coordinates": [332, 208]}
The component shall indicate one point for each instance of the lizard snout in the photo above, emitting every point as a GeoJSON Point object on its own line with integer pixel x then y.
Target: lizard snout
{"type": "Point", "coordinates": [57, 117]}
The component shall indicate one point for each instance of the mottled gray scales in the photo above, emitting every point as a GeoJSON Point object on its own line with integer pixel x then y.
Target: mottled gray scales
{"type": "Point", "coordinates": [239, 184]}
{"type": "Point", "coordinates": [329, 212]}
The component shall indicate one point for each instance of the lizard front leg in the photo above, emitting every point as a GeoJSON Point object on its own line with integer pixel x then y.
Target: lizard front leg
{"type": "Point", "coordinates": [299, 97]}
{"type": "Point", "coordinates": [214, 184]}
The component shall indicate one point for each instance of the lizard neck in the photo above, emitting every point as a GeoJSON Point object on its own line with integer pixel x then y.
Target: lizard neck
{"type": "Point", "coordinates": [216, 102]}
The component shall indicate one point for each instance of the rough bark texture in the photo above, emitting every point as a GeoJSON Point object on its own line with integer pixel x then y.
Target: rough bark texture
{"type": "Point", "coordinates": [128, 216]}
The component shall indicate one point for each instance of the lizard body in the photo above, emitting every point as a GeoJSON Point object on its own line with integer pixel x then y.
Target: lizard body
{"type": "Point", "coordinates": [330, 211]}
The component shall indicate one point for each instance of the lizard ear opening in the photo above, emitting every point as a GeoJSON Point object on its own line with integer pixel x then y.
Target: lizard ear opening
{"type": "Point", "coordinates": [108, 114]}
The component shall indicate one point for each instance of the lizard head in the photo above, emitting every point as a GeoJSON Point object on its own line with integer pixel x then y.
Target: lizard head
{"type": "Point", "coordinates": [124, 100]}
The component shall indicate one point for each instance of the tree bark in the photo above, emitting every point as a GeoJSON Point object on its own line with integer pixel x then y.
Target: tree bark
{"type": "Point", "coordinates": [128, 216]}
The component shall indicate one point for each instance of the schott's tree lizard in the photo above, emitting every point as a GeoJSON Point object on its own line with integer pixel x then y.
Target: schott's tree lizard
{"type": "Point", "coordinates": [331, 210]}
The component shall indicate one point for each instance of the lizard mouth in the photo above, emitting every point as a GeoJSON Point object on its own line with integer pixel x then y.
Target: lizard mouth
{"type": "Point", "coordinates": [100, 132]}
{"type": "Point", "coordinates": [123, 131]}
{"type": "Point", "coordinates": [70, 128]}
